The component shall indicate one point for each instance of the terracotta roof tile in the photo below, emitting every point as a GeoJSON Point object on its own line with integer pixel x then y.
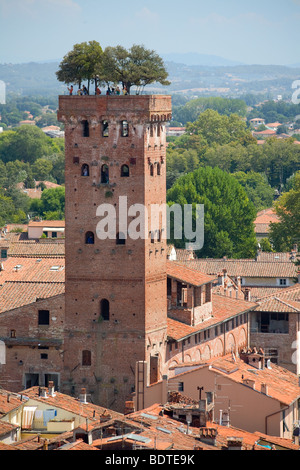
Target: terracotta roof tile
{"type": "Point", "coordinates": [33, 270]}
{"type": "Point", "coordinates": [72, 405]}
{"type": "Point", "coordinates": [224, 308]}
{"type": "Point", "coordinates": [47, 223]}
{"type": "Point", "coordinates": [17, 294]}
{"type": "Point", "coordinates": [282, 384]}
{"type": "Point", "coordinates": [244, 268]}
{"type": "Point", "coordinates": [187, 275]}
{"type": "Point", "coordinates": [10, 401]}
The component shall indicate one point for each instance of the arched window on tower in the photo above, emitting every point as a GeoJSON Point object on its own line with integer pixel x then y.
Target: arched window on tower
{"type": "Point", "coordinates": [124, 171]}
{"type": "Point", "coordinates": [152, 170]}
{"type": "Point", "coordinates": [124, 129]}
{"type": "Point", "coordinates": [89, 238]}
{"type": "Point", "coordinates": [158, 169]}
{"type": "Point", "coordinates": [85, 128]}
{"type": "Point", "coordinates": [85, 171]}
{"type": "Point", "coordinates": [104, 128]}
{"type": "Point", "coordinates": [104, 309]}
{"type": "Point", "coordinates": [104, 174]}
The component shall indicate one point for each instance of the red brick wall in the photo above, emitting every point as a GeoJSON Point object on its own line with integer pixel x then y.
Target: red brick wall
{"type": "Point", "coordinates": [131, 277]}
{"type": "Point", "coordinates": [23, 353]}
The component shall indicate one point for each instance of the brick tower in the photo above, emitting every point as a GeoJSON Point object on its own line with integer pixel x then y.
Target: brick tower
{"type": "Point", "coordinates": [116, 294]}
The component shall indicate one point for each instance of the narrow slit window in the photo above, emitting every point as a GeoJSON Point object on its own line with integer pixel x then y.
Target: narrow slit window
{"type": "Point", "coordinates": [151, 170]}
{"type": "Point", "coordinates": [124, 129]}
{"type": "Point", "coordinates": [104, 309]}
{"type": "Point", "coordinates": [105, 128]}
{"type": "Point", "coordinates": [86, 358]}
{"type": "Point", "coordinates": [104, 174]}
{"type": "Point", "coordinates": [85, 128]}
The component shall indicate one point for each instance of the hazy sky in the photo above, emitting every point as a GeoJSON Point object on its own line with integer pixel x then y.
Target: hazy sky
{"type": "Point", "coordinates": [252, 32]}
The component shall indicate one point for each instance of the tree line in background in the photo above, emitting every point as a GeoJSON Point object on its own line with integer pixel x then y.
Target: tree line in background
{"type": "Point", "coordinates": [29, 157]}
{"type": "Point", "coordinates": [237, 177]}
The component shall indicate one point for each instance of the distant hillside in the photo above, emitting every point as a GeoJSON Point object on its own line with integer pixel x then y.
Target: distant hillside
{"type": "Point", "coordinates": [202, 80]}
{"type": "Point", "coordinates": [194, 58]}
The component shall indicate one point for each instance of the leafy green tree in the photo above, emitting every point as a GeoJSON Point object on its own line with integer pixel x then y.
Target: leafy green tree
{"type": "Point", "coordinates": [41, 169]}
{"type": "Point", "coordinates": [137, 66]}
{"type": "Point", "coordinates": [257, 188]}
{"type": "Point", "coordinates": [26, 143]}
{"type": "Point", "coordinates": [82, 63]}
{"type": "Point", "coordinates": [220, 130]}
{"type": "Point", "coordinates": [284, 234]}
{"type": "Point", "coordinates": [52, 201]}
{"type": "Point", "coordinates": [229, 215]}
{"type": "Point", "coordinates": [190, 111]}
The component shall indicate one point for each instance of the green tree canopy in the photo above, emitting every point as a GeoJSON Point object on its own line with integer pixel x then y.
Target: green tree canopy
{"type": "Point", "coordinates": [229, 215]}
{"type": "Point", "coordinates": [286, 233]}
{"type": "Point", "coordinates": [137, 66]}
{"type": "Point", "coordinates": [189, 112]}
{"type": "Point", "coordinates": [257, 188]}
{"type": "Point", "coordinates": [51, 202]}
{"type": "Point", "coordinates": [82, 63]}
{"type": "Point", "coordinates": [26, 143]}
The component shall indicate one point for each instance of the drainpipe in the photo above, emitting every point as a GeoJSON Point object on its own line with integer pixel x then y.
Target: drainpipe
{"type": "Point", "coordinates": [273, 414]}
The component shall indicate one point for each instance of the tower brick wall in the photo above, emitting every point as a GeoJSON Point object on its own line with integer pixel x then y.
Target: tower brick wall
{"type": "Point", "coordinates": [116, 300]}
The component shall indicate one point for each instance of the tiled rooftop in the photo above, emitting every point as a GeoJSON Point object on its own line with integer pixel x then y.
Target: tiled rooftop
{"type": "Point", "coordinates": [284, 301]}
{"type": "Point", "coordinates": [186, 274]}
{"type": "Point", "coordinates": [244, 268]}
{"type": "Point", "coordinates": [282, 384]}
{"type": "Point", "coordinates": [224, 308]}
{"type": "Point", "coordinates": [17, 294]}
{"type": "Point", "coordinates": [10, 401]}
{"type": "Point", "coordinates": [73, 405]}
{"type": "Point", "coordinates": [33, 270]}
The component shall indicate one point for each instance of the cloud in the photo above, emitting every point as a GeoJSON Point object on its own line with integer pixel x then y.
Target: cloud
{"type": "Point", "coordinates": [147, 15]}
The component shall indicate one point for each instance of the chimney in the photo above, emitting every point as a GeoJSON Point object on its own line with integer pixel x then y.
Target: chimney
{"type": "Point", "coordinates": [82, 396]}
{"type": "Point", "coordinates": [264, 389]}
{"type": "Point", "coordinates": [220, 279]}
{"type": "Point", "coordinates": [43, 392]}
{"type": "Point", "coordinates": [51, 389]}
{"type": "Point", "coordinates": [235, 443]}
{"type": "Point", "coordinates": [249, 383]}
{"type": "Point", "coordinates": [247, 295]}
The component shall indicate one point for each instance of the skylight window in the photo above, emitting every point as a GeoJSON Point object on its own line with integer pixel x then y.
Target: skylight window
{"type": "Point", "coordinates": [55, 268]}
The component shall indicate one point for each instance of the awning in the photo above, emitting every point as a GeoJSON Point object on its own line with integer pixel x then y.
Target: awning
{"type": "Point", "coordinates": [53, 229]}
